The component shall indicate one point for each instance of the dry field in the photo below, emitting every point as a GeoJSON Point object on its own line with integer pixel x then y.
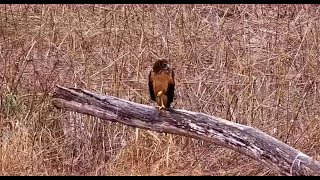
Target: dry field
{"type": "Point", "coordinates": [256, 65]}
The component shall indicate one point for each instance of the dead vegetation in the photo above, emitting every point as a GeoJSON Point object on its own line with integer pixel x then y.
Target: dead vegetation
{"type": "Point", "coordinates": [253, 64]}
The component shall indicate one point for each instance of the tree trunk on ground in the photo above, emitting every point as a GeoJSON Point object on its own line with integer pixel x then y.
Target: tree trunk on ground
{"type": "Point", "coordinates": [243, 139]}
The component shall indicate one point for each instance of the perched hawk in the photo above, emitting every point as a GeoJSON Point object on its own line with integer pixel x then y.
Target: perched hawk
{"type": "Point", "coordinates": [161, 84]}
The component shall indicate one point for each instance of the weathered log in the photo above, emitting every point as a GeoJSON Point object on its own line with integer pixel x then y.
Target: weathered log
{"type": "Point", "coordinates": [243, 139]}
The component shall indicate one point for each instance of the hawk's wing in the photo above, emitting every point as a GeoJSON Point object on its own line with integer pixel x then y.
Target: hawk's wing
{"type": "Point", "coordinates": [171, 84]}
{"type": "Point", "coordinates": [152, 95]}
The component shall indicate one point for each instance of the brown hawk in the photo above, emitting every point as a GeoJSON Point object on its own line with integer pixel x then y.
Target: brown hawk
{"type": "Point", "coordinates": [161, 84]}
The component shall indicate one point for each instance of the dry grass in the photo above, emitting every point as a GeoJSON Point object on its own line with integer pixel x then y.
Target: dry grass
{"type": "Point", "coordinates": [253, 64]}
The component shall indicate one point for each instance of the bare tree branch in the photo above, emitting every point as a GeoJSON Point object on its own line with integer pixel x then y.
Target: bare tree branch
{"type": "Point", "coordinates": [243, 139]}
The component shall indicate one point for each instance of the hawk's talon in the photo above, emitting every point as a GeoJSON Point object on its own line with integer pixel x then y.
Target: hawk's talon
{"type": "Point", "coordinates": [161, 107]}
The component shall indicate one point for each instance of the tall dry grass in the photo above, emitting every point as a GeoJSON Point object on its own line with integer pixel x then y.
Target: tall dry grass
{"type": "Point", "coordinates": [256, 65]}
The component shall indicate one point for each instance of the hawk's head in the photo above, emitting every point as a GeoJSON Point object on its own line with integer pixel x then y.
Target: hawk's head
{"type": "Point", "coordinates": [161, 64]}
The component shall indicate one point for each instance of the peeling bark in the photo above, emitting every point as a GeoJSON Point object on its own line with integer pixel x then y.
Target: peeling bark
{"type": "Point", "coordinates": [243, 139]}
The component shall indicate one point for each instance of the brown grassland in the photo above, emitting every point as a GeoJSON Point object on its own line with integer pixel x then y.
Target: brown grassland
{"type": "Point", "coordinates": [256, 65]}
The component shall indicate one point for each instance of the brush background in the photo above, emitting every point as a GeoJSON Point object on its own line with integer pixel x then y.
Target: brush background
{"type": "Point", "coordinates": [256, 65]}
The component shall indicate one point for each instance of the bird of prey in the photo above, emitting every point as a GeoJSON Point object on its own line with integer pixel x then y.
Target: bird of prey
{"type": "Point", "coordinates": [161, 84]}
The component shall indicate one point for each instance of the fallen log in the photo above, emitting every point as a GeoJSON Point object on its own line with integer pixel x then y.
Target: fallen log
{"type": "Point", "coordinates": [243, 139]}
